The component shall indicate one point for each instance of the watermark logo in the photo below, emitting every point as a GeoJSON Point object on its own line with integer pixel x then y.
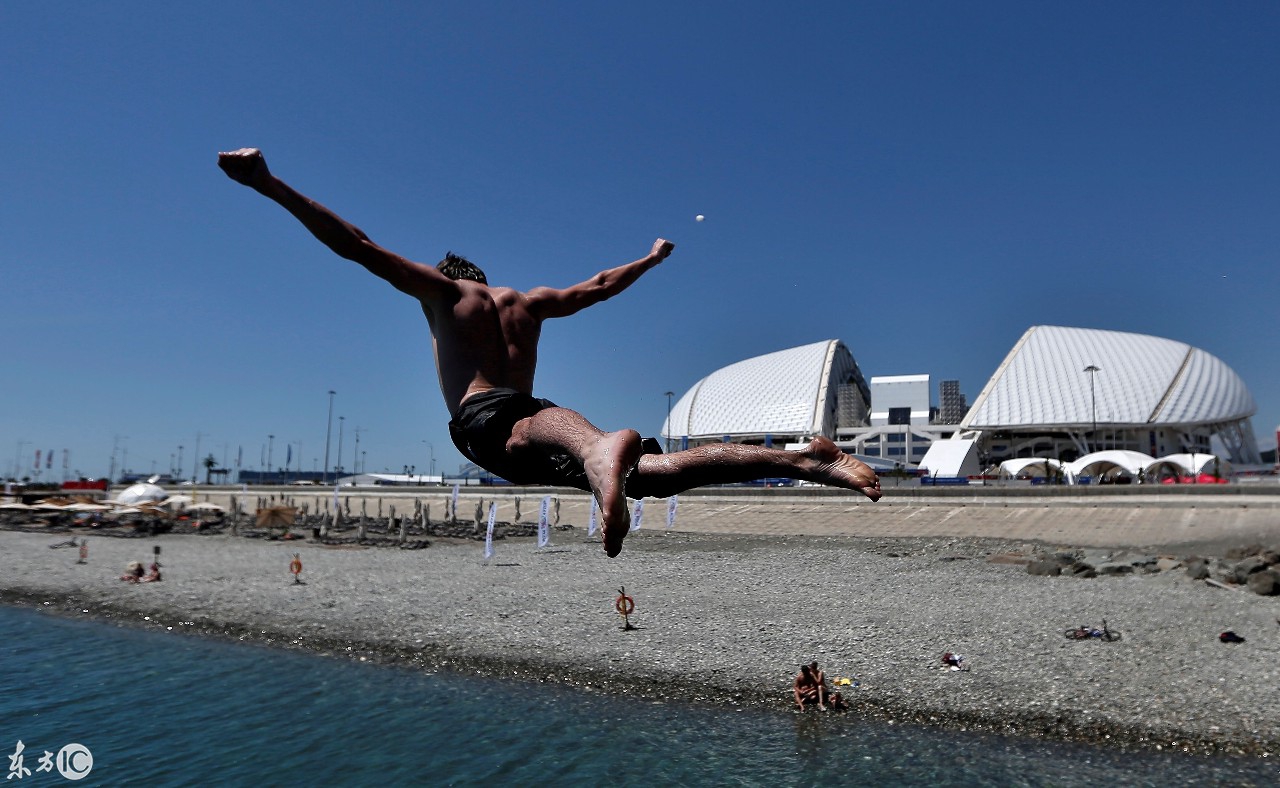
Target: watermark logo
{"type": "Point", "coordinates": [74, 762]}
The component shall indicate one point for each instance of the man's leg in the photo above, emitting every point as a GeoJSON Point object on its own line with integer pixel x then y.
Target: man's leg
{"type": "Point", "coordinates": [662, 475]}
{"type": "Point", "coordinates": [607, 457]}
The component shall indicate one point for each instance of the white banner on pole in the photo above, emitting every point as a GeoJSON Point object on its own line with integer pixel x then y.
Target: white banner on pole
{"type": "Point", "coordinates": [335, 499]}
{"type": "Point", "coordinates": [591, 523]}
{"type": "Point", "coordinates": [672, 503]}
{"type": "Point", "coordinates": [454, 503]}
{"type": "Point", "coordinates": [488, 535]}
{"type": "Point", "coordinates": [636, 514]}
{"type": "Point", "coordinates": [544, 535]}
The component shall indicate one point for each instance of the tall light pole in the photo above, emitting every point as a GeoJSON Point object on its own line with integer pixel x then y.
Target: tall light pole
{"type": "Point", "coordinates": [17, 459]}
{"type": "Point", "coordinates": [432, 448]}
{"type": "Point", "coordinates": [355, 455]}
{"type": "Point", "coordinates": [670, 394]}
{"type": "Point", "coordinates": [195, 473]}
{"type": "Point", "coordinates": [1093, 403]}
{"type": "Point", "coordinates": [271, 444]}
{"type": "Point", "coordinates": [115, 445]}
{"type": "Point", "coordinates": [328, 430]}
{"type": "Point", "coordinates": [338, 464]}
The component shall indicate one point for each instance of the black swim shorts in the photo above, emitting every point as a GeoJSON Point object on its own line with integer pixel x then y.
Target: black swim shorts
{"type": "Point", "coordinates": [483, 426]}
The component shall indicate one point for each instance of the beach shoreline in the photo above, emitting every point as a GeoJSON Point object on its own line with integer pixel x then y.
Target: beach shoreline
{"type": "Point", "coordinates": [726, 620]}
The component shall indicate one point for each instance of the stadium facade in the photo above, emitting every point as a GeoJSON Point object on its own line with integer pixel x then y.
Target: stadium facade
{"type": "Point", "coordinates": [1066, 392]}
{"type": "Point", "coordinates": [783, 397]}
{"type": "Point", "coordinates": [1060, 392]}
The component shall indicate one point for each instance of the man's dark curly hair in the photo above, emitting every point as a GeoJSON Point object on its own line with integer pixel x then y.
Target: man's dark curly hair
{"type": "Point", "coordinates": [456, 267]}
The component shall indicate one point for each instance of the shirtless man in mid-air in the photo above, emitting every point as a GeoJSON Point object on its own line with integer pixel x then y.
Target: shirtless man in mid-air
{"type": "Point", "coordinates": [485, 341]}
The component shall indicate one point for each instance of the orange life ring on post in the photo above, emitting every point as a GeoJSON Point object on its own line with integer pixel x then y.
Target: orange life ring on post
{"type": "Point", "coordinates": [624, 604]}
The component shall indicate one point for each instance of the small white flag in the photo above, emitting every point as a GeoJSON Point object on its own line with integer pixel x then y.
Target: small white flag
{"type": "Point", "coordinates": [544, 536]}
{"type": "Point", "coordinates": [672, 503]}
{"type": "Point", "coordinates": [636, 514]}
{"type": "Point", "coordinates": [335, 499]}
{"type": "Point", "coordinates": [454, 503]}
{"type": "Point", "coordinates": [591, 523]}
{"type": "Point", "coordinates": [488, 536]}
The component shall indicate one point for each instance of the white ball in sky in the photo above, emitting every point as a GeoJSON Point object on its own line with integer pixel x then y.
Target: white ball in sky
{"type": "Point", "coordinates": [699, 218]}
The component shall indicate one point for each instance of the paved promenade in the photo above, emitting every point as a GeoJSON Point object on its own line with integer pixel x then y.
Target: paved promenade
{"type": "Point", "coordinates": [1085, 519]}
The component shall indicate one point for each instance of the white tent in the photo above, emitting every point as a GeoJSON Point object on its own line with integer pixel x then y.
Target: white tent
{"type": "Point", "coordinates": [140, 493]}
{"type": "Point", "coordinates": [1190, 465]}
{"type": "Point", "coordinates": [1033, 466]}
{"type": "Point", "coordinates": [1109, 464]}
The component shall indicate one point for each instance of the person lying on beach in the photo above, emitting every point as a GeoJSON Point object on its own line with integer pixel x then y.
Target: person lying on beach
{"type": "Point", "coordinates": [485, 340]}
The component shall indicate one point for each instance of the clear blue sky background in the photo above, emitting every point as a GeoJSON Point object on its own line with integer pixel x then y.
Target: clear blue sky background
{"type": "Point", "coordinates": [921, 180]}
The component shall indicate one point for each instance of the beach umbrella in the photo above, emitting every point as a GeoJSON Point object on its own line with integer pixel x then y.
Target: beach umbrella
{"type": "Point", "coordinates": [276, 516]}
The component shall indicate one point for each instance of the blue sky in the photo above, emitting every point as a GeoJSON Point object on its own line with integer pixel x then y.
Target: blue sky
{"type": "Point", "coordinates": [921, 180]}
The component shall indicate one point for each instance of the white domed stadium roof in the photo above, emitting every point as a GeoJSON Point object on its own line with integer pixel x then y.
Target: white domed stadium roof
{"type": "Point", "coordinates": [790, 392]}
{"type": "Point", "coordinates": [1140, 380]}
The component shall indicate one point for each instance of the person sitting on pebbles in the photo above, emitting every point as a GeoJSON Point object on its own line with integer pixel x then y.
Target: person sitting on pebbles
{"type": "Point", "coordinates": [132, 572]}
{"type": "Point", "coordinates": [834, 700]}
{"type": "Point", "coordinates": [807, 690]}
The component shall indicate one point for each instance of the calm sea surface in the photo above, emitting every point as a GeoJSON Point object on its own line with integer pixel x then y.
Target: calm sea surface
{"type": "Point", "coordinates": [166, 709]}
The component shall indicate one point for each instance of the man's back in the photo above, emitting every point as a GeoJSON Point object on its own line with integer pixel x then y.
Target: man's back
{"type": "Point", "coordinates": [484, 338]}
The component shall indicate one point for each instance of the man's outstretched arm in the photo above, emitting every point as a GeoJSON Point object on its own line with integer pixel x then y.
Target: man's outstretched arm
{"type": "Point", "coordinates": [548, 302]}
{"type": "Point", "coordinates": [247, 166]}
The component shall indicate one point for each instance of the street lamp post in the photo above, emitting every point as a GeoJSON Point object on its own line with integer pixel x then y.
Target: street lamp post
{"type": "Point", "coordinates": [328, 430]}
{"type": "Point", "coordinates": [338, 463]}
{"type": "Point", "coordinates": [669, 395]}
{"type": "Point", "coordinates": [271, 444]}
{"type": "Point", "coordinates": [432, 448]}
{"type": "Point", "coordinates": [1093, 404]}
{"type": "Point", "coordinates": [195, 467]}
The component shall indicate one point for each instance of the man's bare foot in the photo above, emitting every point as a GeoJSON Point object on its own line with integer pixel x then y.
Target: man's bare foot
{"type": "Point", "coordinates": [837, 469]}
{"type": "Point", "coordinates": [607, 466]}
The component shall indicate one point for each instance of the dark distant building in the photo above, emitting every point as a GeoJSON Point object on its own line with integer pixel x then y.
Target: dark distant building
{"type": "Point", "coordinates": [951, 402]}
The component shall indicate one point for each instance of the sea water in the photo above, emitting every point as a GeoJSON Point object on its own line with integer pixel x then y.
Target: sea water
{"type": "Point", "coordinates": [160, 708]}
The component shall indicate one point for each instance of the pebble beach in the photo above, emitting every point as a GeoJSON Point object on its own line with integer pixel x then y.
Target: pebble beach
{"type": "Point", "coordinates": [724, 618]}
